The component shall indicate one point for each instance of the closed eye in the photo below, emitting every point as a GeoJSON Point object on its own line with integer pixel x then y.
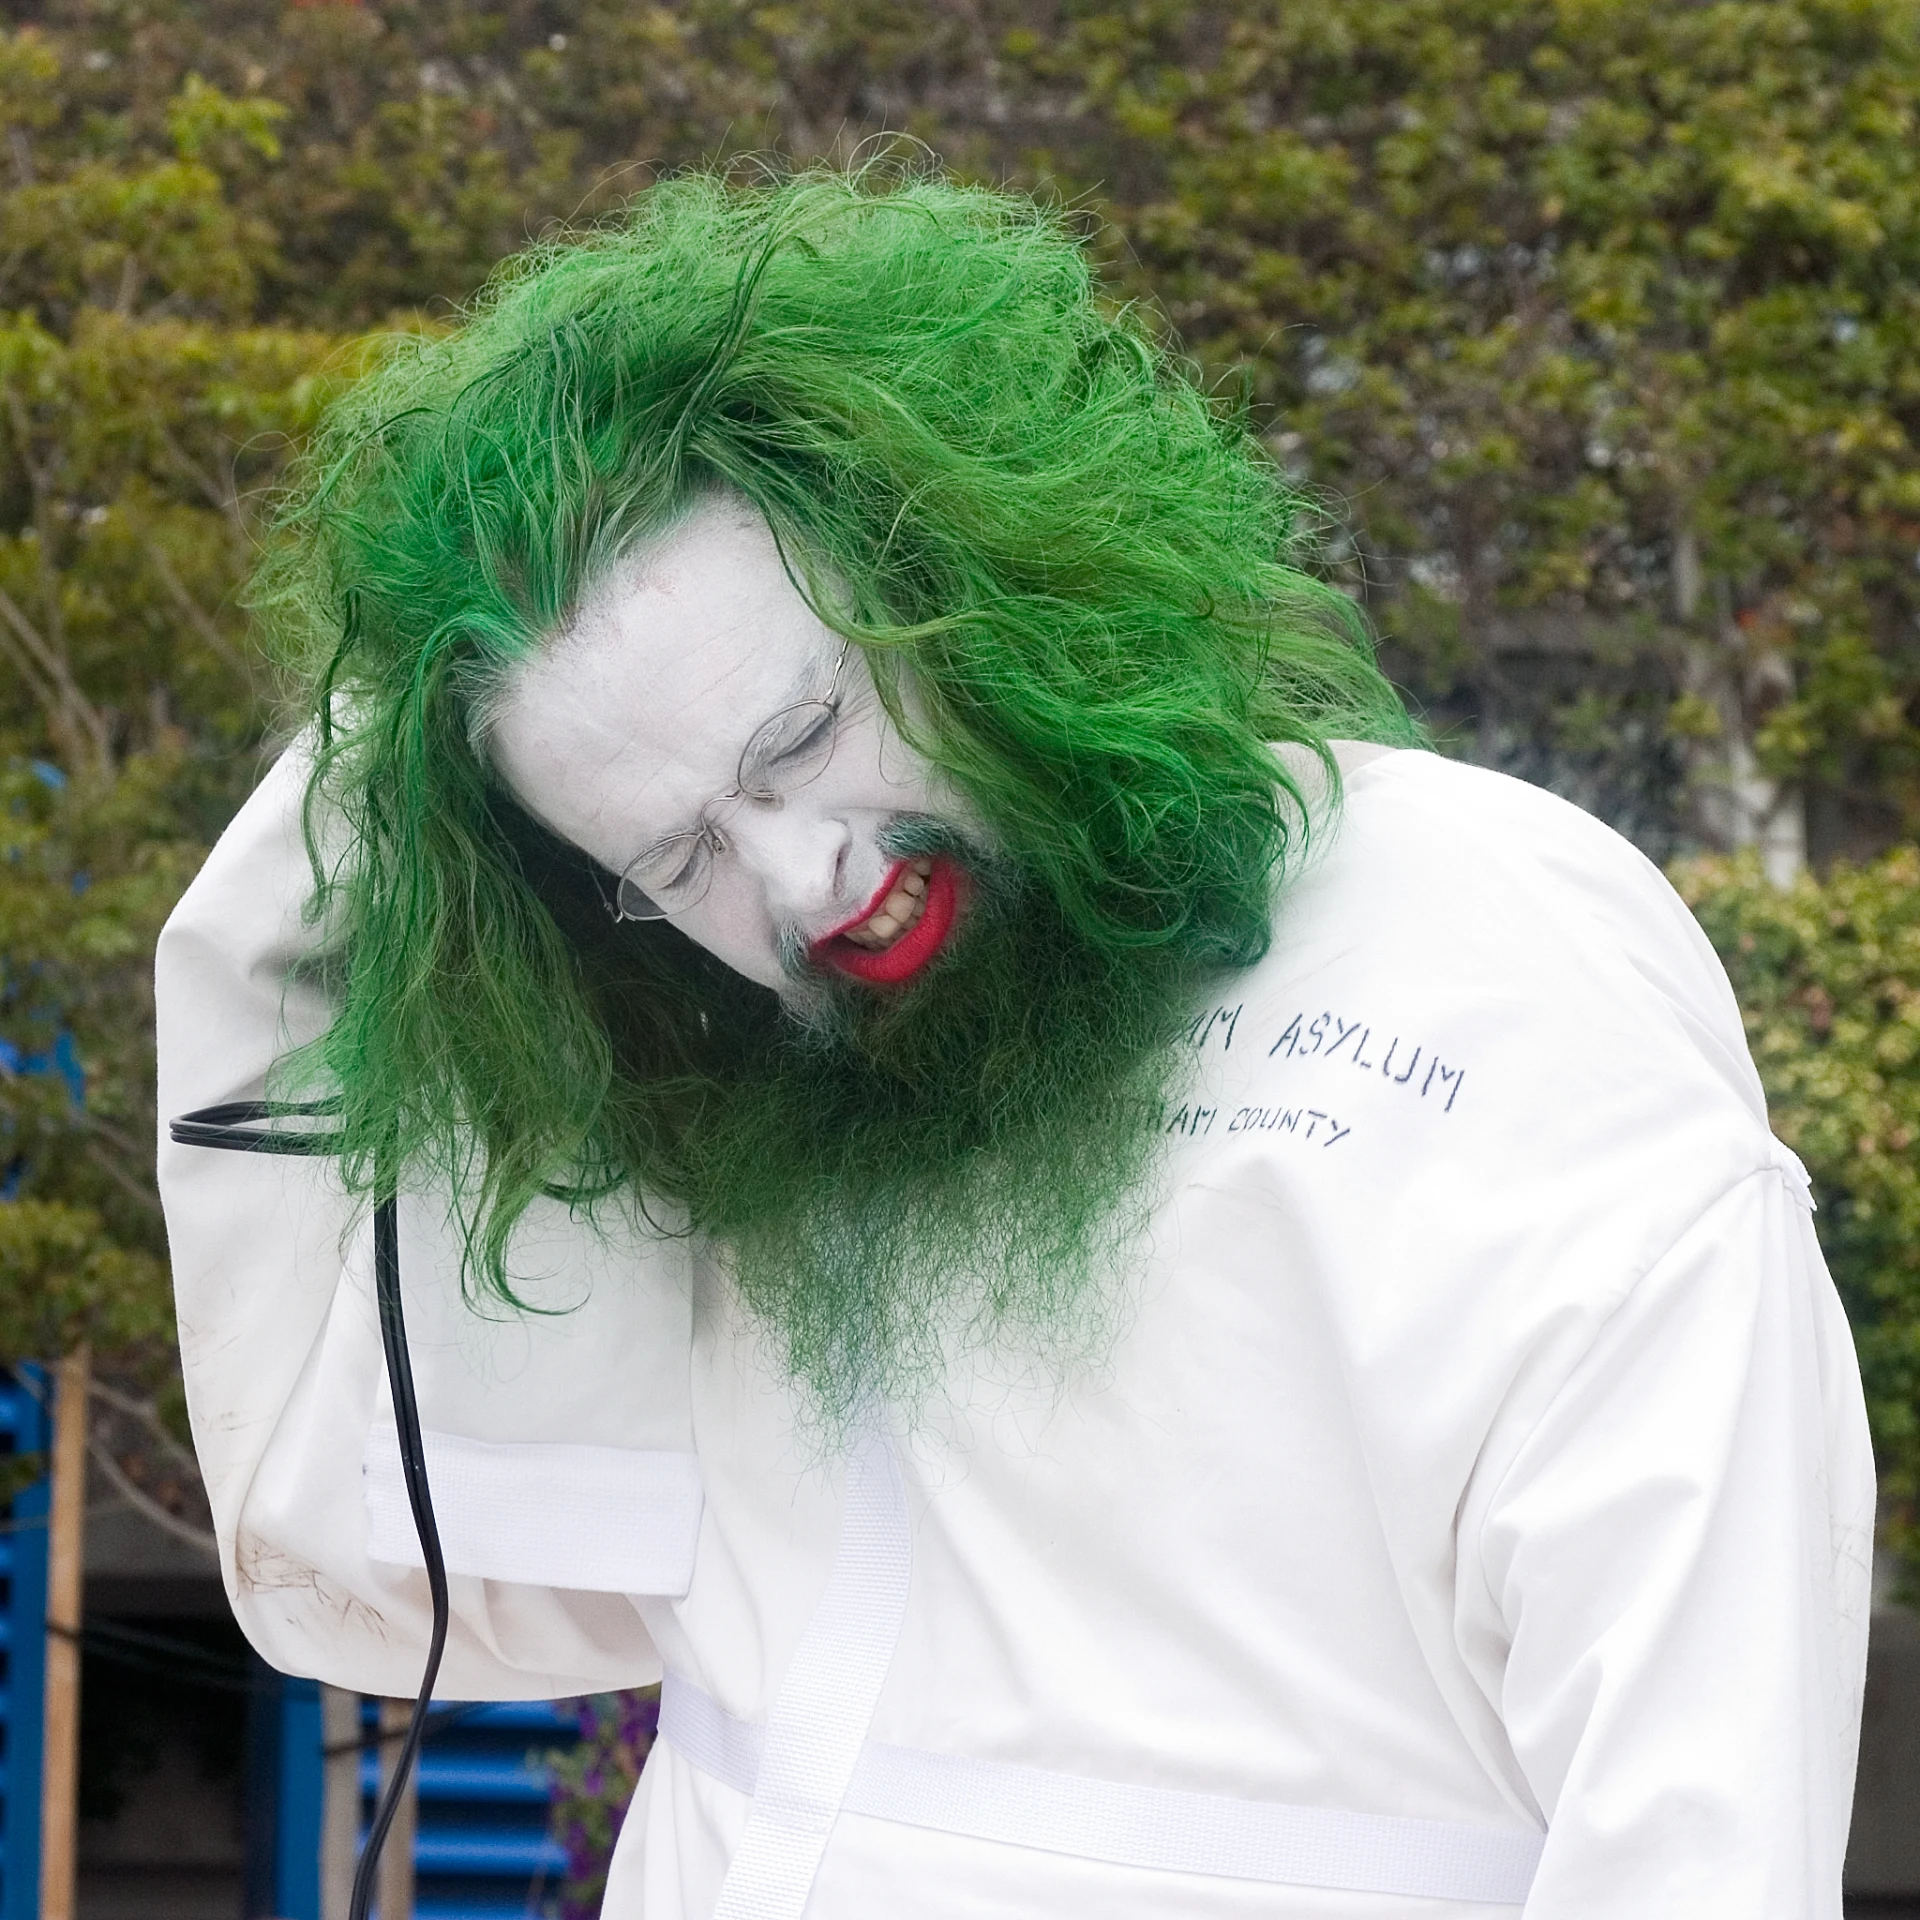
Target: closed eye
{"type": "Point", "coordinates": [809, 740]}
{"type": "Point", "coordinates": [789, 749]}
{"type": "Point", "coordinates": [670, 866]}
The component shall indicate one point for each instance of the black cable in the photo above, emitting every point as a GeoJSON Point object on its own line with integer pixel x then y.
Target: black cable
{"type": "Point", "coordinates": [243, 1126]}
{"type": "Point", "coordinates": [235, 1127]}
{"type": "Point", "coordinates": [179, 1662]}
{"type": "Point", "coordinates": [413, 1464]}
{"type": "Point", "coordinates": [371, 1739]}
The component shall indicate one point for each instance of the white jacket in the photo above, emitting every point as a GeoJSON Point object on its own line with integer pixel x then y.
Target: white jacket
{"type": "Point", "coordinates": [1482, 1457]}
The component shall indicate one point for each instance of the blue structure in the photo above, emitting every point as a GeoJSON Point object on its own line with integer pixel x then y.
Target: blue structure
{"type": "Point", "coordinates": [482, 1850]}
{"type": "Point", "coordinates": [24, 1428]}
{"type": "Point", "coordinates": [285, 1795]}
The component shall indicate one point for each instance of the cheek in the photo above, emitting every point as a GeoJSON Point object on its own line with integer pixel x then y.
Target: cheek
{"type": "Point", "coordinates": [733, 925]}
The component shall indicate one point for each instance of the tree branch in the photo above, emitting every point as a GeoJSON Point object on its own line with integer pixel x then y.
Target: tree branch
{"type": "Point", "coordinates": [125, 1181]}
{"type": "Point", "coordinates": [40, 481]}
{"type": "Point", "coordinates": [143, 1412]}
{"type": "Point", "coordinates": [44, 690]}
{"type": "Point", "coordinates": [222, 498]}
{"type": "Point", "coordinates": [197, 616]}
{"type": "Point", "coordinates": [147, 1506]}
{"type": "Point", "coordinates": [134, 1150]}
{"type": "Point", "coordinates": [72, 704]}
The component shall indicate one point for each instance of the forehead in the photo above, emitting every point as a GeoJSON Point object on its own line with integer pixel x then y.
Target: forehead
{"type": "Point", "coordinates": [673, 659]}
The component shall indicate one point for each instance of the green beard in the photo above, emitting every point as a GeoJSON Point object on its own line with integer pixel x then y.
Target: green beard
{"type": "Point", "coordinates": [891, 1176]}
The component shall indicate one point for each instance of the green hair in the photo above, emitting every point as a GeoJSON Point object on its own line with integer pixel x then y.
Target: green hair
{"type": "Point", "coordinates": [980, 471]}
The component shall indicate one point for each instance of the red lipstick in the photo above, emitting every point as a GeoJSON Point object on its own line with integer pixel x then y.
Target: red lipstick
{"type": "Point", "coordinates": [893, 965]}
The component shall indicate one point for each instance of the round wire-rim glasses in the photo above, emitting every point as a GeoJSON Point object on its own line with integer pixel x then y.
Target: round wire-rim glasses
{"type": "Point", "coordinates": [784, 753]}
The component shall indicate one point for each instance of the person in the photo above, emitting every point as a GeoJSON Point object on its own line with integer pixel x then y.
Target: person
{"type": "Point", "coordinates": [1147, 1296]}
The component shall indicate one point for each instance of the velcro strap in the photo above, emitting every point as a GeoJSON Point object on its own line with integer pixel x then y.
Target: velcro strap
{"type": "Point", "coordinates": [597, 1519]}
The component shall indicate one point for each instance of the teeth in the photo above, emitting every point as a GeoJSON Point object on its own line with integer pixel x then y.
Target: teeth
{"type": "Point", "coordinates": [897, 913]}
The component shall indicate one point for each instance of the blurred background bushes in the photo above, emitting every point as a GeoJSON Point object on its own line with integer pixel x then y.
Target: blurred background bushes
{"type": "Point", "coordinates": [1594, 325]}
{"type": "Point", "coordinates": [1828, 975]}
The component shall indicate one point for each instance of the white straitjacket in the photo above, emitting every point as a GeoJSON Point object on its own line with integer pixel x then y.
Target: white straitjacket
{"type": "Point", "coordinates": [1472, 1518]}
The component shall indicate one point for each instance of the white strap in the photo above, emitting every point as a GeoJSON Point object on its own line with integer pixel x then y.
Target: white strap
{"type": "Point", "coordinates": [818, 1727]}
{"type": "Point", "coordinates": [598, 1519]}
{"type": "Point", "coordinates": [1129, 1826]}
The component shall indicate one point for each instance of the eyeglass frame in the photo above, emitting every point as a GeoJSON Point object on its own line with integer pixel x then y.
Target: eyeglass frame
{"type": "Point", "coordinates": [707, 829]}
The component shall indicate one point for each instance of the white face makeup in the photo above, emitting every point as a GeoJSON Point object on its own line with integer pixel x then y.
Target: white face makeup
{"type": "Point", "coordinates": [629, 728]}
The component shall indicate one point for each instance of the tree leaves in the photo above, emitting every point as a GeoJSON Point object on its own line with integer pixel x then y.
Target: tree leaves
{"type": "Point", "coordinates": [1829, 981]}
{"type": "Point", "coordinates": [63, 1280]}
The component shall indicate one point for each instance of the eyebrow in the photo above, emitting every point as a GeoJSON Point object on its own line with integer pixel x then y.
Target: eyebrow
{"type": "Point", "coordinates": [803, 686]}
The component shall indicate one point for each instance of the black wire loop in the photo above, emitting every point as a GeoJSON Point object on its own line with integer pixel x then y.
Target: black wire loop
{"type": "Point", "coordinates": [248, 1126]}
{"type": "Point", "coordinates": [244, 1126]}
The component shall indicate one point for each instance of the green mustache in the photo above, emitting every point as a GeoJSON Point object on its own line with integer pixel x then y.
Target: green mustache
{"type": "Point", "coordinates": [908, 836]}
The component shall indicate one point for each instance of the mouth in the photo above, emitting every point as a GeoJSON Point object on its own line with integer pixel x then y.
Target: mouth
{"type": "Point", "coordinates": [901, 928]}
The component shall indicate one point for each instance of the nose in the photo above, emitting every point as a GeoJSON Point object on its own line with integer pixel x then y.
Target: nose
{"type": "Point", "coordinates": [796, 855]}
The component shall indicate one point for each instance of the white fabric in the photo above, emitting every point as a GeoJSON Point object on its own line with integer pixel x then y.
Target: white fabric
{"type": "Point", "coordinates": [1481, 1443]}
{"type": "Point", "coordinates": [280, 1344]}
{"type": "Point", "coordinates": [1134, 1826]}
{"type": "Point", "coordinates": [818, 1727]}
{"type": "Point", "coordinates": [598, 1519]}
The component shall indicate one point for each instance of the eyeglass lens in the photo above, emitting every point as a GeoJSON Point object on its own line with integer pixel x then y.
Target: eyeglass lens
{"type": "Point", "coordinates": [788, 752]}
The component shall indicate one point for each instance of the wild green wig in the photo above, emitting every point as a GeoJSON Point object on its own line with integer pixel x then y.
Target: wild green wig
{"type": "Point", "coordinates": [982, 472]}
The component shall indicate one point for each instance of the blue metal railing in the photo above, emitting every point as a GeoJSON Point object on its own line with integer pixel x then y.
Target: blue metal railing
{"type": "Point", "coordinates": [23, 1650]}
{"type": "Point", "coordinates": [482, 1849]}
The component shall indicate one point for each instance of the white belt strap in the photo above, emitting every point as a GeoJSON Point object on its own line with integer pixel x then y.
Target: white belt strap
{"type": "Point", "coordinates": [1129, 1826]}
{"type": "Point", "coordinates": [806, 1753]}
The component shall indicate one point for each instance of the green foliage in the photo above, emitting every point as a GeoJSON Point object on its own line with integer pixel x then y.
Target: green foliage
{"type": "Point", "coordinates": [139, 406]}
{"type": "Point", "coordinates": [1582, 310]}
{"type": "Point", "coordinates": [592, 1788]}
{"type": "Point", "coordinates": [1596, 323]}
{"type": "Point", "coordinates": [63, 1281]}
{"type": "Point", "coordinates": [1829, 979]}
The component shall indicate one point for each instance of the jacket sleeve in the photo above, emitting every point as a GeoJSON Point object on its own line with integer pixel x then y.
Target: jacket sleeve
{"type": "Point", "coordinates": [558, 1442]}
{"type": "Point", "coordinates": [1675, 1565]}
